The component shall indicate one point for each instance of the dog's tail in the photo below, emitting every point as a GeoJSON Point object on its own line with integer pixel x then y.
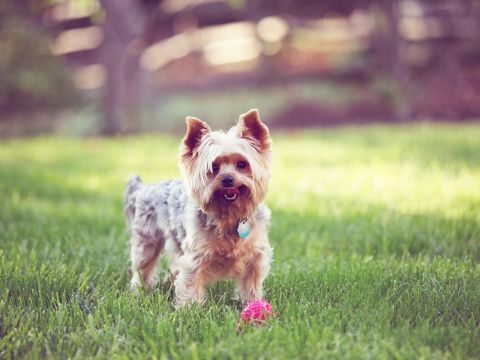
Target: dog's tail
{"type": "Point", "coordinates": [130, 197]}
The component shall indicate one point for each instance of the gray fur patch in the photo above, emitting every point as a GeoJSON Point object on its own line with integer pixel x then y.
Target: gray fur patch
{"type": "Point", "coordinates": [156, 211]}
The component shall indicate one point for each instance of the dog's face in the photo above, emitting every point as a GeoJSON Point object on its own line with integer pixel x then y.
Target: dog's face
{"type": "Point", "coordinates": [227, 173]}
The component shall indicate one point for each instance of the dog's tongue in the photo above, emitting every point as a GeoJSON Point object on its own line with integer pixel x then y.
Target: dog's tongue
{"type": "Point", "coordinates": [230, 191]}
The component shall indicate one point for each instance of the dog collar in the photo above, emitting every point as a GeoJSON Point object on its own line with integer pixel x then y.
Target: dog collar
{"type": "Point", "coordinates": [243, 228]}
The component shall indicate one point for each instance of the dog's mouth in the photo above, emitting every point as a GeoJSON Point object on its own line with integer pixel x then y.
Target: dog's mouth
{"type": "Point", "coordinates": [231, 194]}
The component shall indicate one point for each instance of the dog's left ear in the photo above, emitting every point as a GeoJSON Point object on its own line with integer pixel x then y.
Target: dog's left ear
{"type": "Point", "coordinates": [250, 127]}
{"type": "Point", "coordinates": [196, 130]}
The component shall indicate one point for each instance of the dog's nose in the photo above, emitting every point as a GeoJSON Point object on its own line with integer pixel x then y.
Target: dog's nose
{"type": "Point", "coordinates": [227, 181]}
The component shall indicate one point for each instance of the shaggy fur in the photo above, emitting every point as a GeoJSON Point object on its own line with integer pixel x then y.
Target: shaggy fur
{"type": "Point", "coordinates": [193, 221]}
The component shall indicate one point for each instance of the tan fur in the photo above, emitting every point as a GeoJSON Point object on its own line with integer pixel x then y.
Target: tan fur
{"type": "Point", "coordinates": [211, 248]}
{"type": "Point", "coordinates": [217, 253]}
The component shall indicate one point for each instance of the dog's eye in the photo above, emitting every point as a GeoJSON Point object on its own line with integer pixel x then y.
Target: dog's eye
{"type": "Point", "coordinates": [241, 164]}
{"type": "Point", "coordinates": [215, 167]}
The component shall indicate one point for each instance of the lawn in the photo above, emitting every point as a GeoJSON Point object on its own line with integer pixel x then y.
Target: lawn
{"type": "Point", "coordinates": [376, 236]}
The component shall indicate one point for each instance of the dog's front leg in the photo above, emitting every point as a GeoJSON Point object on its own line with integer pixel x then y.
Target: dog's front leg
{"type": "Point", "coordinates": [190, 284]}
{"type": "Point", "coordinates": [256, 270]}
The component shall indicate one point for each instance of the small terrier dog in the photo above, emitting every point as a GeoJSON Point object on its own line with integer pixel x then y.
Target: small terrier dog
{"type": "Point", "coordinates": [212, 224]}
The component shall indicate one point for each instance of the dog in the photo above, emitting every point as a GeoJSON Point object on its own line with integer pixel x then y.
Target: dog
{"type": "Point", "coordinates": [212, 223]}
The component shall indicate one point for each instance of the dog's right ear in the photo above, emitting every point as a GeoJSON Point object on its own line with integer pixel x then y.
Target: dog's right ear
{"type": "Point", "coordinates": [196, 130]}
{"type": "Point", "coordinates": [250, 127]}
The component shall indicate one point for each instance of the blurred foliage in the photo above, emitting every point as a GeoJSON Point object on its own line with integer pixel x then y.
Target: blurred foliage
{"type": "Point", "coordinates": [32, 77]}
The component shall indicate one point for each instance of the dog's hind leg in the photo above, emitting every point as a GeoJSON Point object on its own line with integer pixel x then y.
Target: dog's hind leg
{"type": "Point", "coordinates": [144, 254]}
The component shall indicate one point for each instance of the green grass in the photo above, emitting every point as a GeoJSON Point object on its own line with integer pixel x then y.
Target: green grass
{"type": "Point", "coordinates": [376, 235]}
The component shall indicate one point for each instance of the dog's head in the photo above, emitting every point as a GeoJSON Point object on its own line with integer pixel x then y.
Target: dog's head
{"type": "Point", "coordinates": [227, 173]}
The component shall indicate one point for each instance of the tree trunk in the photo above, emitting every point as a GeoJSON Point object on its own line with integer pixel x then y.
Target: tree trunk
{"type": "Point", "coordinates": [123, 30]}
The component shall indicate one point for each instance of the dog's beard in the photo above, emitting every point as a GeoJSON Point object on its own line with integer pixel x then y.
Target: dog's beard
{"type": "Point", "coordinates": [232, 203]}
{"type": "Point", "coordinates": [230, 195]}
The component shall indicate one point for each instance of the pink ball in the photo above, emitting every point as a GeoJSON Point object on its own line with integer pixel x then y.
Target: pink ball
{"type": "Point", "coordinates": [257, 310]}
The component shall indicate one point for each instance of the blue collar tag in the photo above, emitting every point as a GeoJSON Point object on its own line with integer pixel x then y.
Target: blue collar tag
{"type": "Point", "coordinates": [243, 228]}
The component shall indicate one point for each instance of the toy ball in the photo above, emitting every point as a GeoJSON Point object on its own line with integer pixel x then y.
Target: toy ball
{"type": "Point", "coordinates": [256, 310]}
